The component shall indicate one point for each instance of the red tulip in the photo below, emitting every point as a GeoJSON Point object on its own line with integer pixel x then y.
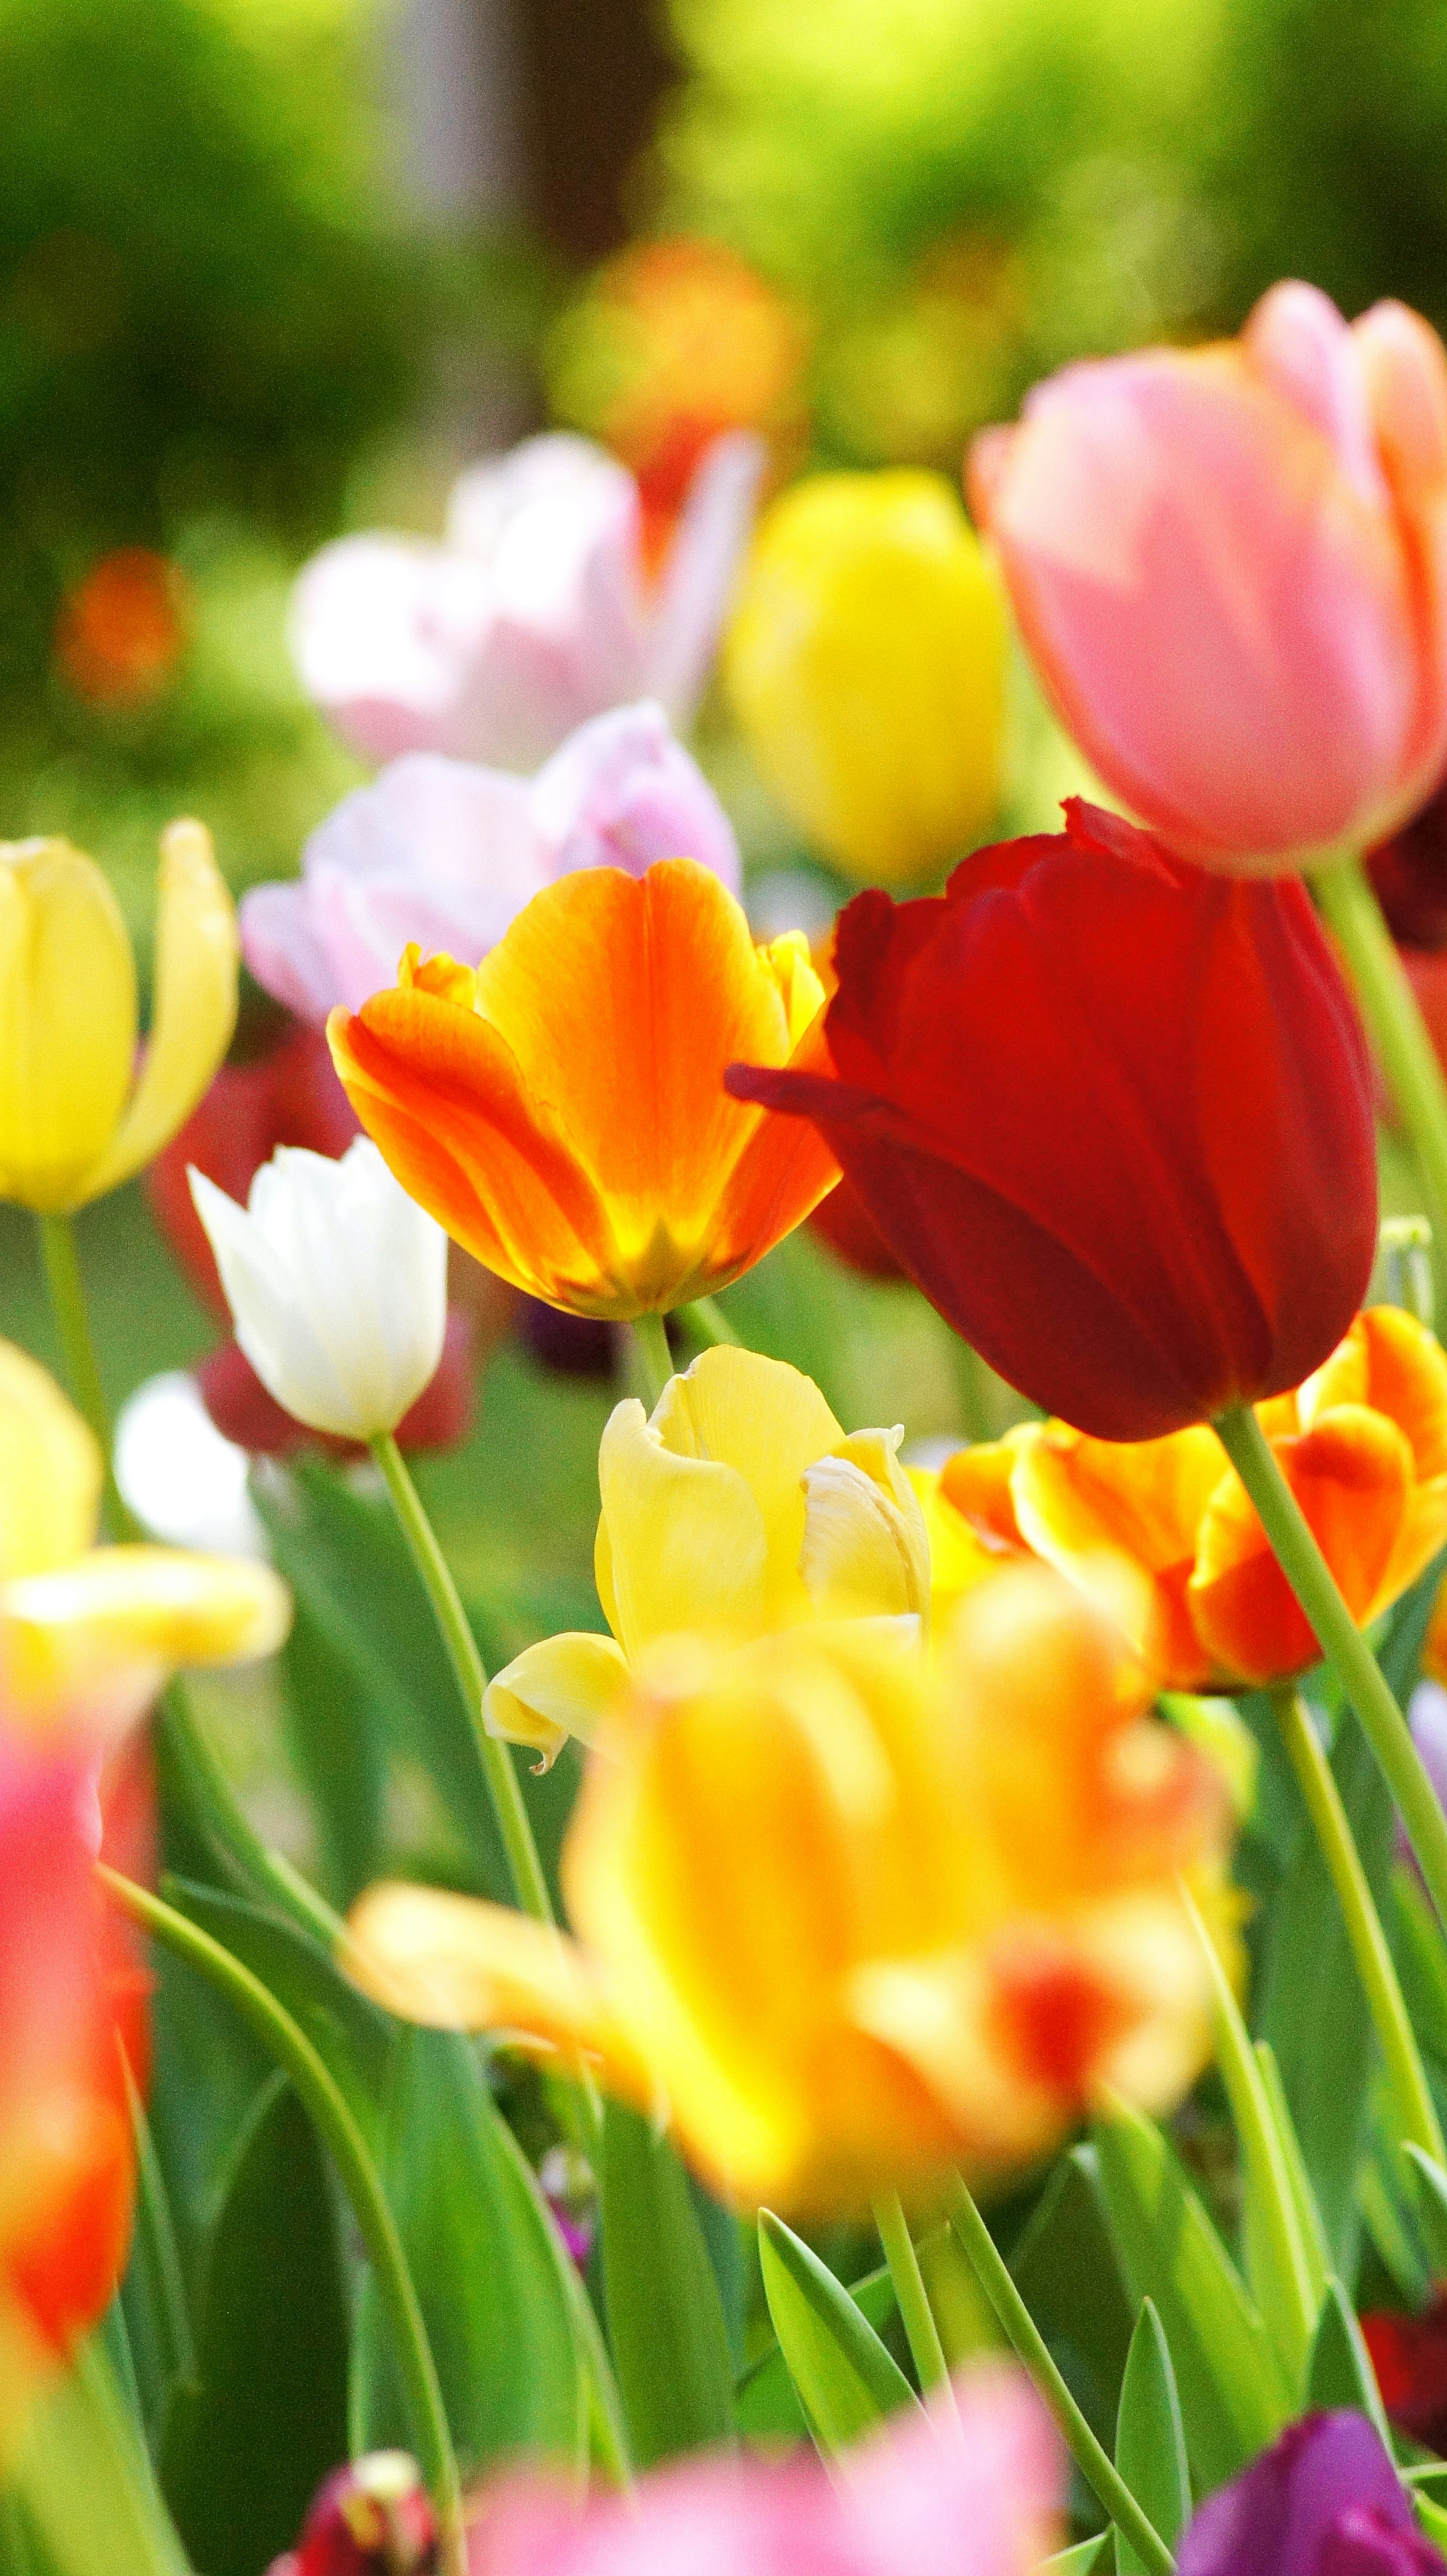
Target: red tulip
{"type": "Point", "coordinates": [1113, 1114]}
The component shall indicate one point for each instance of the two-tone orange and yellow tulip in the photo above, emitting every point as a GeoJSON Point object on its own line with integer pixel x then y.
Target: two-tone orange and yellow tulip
{"type": "Point", "coordinates": [852, 1913]}
{"type": "Point", "coordinates": [560, 1109]}
{"type": "Point", "coordinates": [1362, 1444]}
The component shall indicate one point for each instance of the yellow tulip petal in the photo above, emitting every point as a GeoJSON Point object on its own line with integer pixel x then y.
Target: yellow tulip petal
{"type": "Point", "coordinates": [104, 1631]}
{"type": "Point", "coordinates": [457, 1963]}
{"type": "Point", "coordinates": [67, 1021]}
{"type": "Point", "coordinates": [866, 1549]}
{"type": "Point", "coordinates": [51, 1471]}
{"type": "Point", "coordinates": [564, 1686]}
{"type": "Point", "coordinates": [197, 957]}
{"type": "Point", "coordinates": [682, 1540]}
{"type": "Point", "coordinates": [767, 1421]}
{"type": "Point", "coordinates": [960, 1554]}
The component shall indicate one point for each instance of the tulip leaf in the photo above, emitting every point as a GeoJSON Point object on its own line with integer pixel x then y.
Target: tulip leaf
{"type": "Point", "coordinates": [152, 2299]}
{"type": "Point", "coordinates": [665, 2316]}
{"type": "Point", "coordinates": [1430, 2202]}
{"type": "Point", "coordinates": [489, 2271]}
{"type": "Point", "coordinates": [1150, 2439]}
{"type": "Point", "coordinates": [248, 2444]}
{"type": "Point", "coordinates": [1082, 2560]}
{"type": "Point", "coordinates": [845, 2378]}
{"type": "Point", "coordinates": [1066, 2270]}
{"type": "Point", "coordinates": [1234, 2395]}
{"type": "Point", "coordinates": [1341, 2371]}
{"type": "Point", "coordinates": [767, 2401]}
{"type": "Point", "coordinates": [83, 2499]}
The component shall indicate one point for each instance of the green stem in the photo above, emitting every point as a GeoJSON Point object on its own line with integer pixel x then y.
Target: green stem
{"type": "Point", "coordinates": [972, 1387]}
{"type": "Point", "coordinates": [72, 1323]}
{"type": "Point", "coordinates": [248, 1861]}
{"type": "Point", "coordinates": [1312, 1581]}
{"type": "Point", "coordinates": [529, 1883]}
{"type": "Point", "coordinates": [706, 1321]}
{"type": "Point", "coordinates": [909, 2289]}
{"type": "Point", "coordinates": [327, 2107]}
{"type": "Point", "coordinates": [1416, 2113]}
{"type": "Point", "coordinates": [1389, 1008]}
{"type": "Point", "coordinates": [1028, 2344]}
{"type": "Point", "coordinates": [650, 1340]}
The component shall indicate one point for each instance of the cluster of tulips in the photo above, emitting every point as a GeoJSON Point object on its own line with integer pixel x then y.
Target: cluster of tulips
{"type": "Point", "coordinates": [932, 1811]}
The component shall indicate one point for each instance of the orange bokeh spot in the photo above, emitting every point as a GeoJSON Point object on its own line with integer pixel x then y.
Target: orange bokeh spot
{"type": "Point", "coordinates": [123, 627]}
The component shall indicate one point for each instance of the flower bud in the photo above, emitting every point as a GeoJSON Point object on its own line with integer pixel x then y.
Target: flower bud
{"type": "Point", "coordinates": [866, 664]}
{"type": "Point", "coordinates": [338, 1285]}
{"type": "Point", "coordinates": [371, 2518]}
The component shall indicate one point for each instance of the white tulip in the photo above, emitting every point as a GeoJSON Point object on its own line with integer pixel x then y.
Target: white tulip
{"type": "Point", "coordinates": [337, 1282]}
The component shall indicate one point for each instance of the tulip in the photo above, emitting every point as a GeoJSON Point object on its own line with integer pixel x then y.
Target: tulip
{"type": "Point", "coordinates": [89, 1631]}
{"type": "Point", "coordinates": [738, 1506]}
{"type": "Point", "coordinates": [447, 854]}
{"type": "Point", "coordinates": [852, 1916]}
{"type": "Point", "coordinates": [75, 1117]}
{"type": "Point", "coordinates": [1113, 1114]}
{"type": "Point", "coordinates": [562, 1111]}
{"type": "Point", "coordinates": [535, 614]}
{"type": "Point", "coordinates": [69, 2004]}
{"type": "Point", "coordinates": [968, 2492]}
{"type": "Point", "coordinates": [338, 1285]}
{"type": "Point", "coordinates": [1409, 2359]}
{"type": "Point", "coordinates": [1230, 568]}
{"type": "Point", "coordinates": [1325, 2500]}
{"type": "Point", "coordinates": [372, 2518]}
{"type": "Point", "coordinates": [866, 664]}
{"type": "Point", "coordinates": [1409, 874]}
{"type": "Point", "coordinates": [1362, 1445]}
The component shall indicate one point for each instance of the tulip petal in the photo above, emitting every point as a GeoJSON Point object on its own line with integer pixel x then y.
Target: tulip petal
{"type": "Point", "coordinates": [195, 1006]}
{"type": "Point", "coordinates": [1352, 1476]}
{"type": "Point", "coordinates": [561, 1687]}
{"type": "Point", "coordinates": [67, 1022]}
{"type": "Point", "coordinates": [769, 1423]}
{"type": "Point", "coordinates": [1081, 1501]}
{"type": "Point", "coordinates": [866, 1549]}
{"type": "Point", "coordinates": [51, 1470]}
{"type": "Point", "coordinates": [1397, 1366]}
{"type": "Point", "coordinates": [621, 793]}
{"type": "Point", "coordinates": [682, 1540]}
{"type": "Point", "coordinates": [103, 1632]}
{"type": "Point", "coordinates": [700, 570]}
{"type": "Point", "coordinates": [960, 1555]}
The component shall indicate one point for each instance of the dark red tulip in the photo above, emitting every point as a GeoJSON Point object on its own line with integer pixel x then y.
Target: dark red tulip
{"type": "Point", "coordinates": [370, 2519]}
{"type": "Point", "coordinates": [1113, 1114]}
{"type": "Point", "coordinates": [1409, 2356]}
{"type": "Point", "coordinates": [845, 1224]}
{"type": "Point", "coordinates": [1410, 875]}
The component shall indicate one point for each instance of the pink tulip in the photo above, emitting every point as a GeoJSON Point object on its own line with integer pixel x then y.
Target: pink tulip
{"type": "Point", "coordinates": [1230, 567]}
{"type": "Point", "coordinates": [445, 853]}
{"type": "Point", "coordinates": [925, 2498]}
{"type": "Point", "coordinates": [535, 613]}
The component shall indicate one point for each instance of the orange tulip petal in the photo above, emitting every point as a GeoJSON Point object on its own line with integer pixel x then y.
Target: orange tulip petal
{"type": "Point", "coordinates": [977, 1481]}
{"type": "Point", "coordinates": [1079, 1500]}
{"type": "Point", "coordinates": [1352, 1476]}
{"type": "Point", "coordinates": [1391, 1362]}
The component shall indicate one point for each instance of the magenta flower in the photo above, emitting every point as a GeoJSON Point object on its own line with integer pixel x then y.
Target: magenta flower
{"type": "Point", "coordinates": [536, 611]}
{"type": "Point", "coordinates": [446, 853]}
{"type": "Point", "coordinates": [1325, 2500]}
{"type": "Point", "coordinates": [926, 2498]}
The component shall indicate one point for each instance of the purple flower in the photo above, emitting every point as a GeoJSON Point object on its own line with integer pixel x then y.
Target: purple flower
{"type": "Point", "coordinates": [1325, 2500]}
{"type": "Point", "coordinates": [447, 853]}
{"type": "Point", "coordinates": [534, 614]}
{"type": "Point", "coordinates": [926, 2497]}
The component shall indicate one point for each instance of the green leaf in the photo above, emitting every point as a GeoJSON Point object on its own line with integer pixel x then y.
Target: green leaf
{"type": "Point", "coordinates": [1234, 2397]}
{"type": "Point", "coordinates": [1150, 2439]}
{"type": "Point", "coordinates": [1433, 2520]}
{"type": "Point", "coordinates": [488, 2268]}
{"type": "Point", "coordinates": [1308, 2216]}
{"type": "Point", "coordinates": [665, 2317]}
{"type": "Point", "coordinates": [1082, 2560]}
{"type": "Point", "coordinates": [1341, 2367]}
{"type": "Point", "coordinates": [339, 1747]}
{"type": "Point", "coordinates": [767, 2402]}
{"type": "Point", "coordinates": [846, 2381]}
{"type": "Point", "coordinates": [1066, 2270]}
{"type": "Point", "coordinates": [351, 2035]}
{"type": "Point", "coordinates": [1277, 2271]}
{"type": "Point", "coordinates": [83, 2493]}
{"type": "Point", "coordinates": [153, 2302]}
{"type": "Point", "coordinates": [1431, 2203]}
{"type": "Point", "coordinates": [246, 2449]}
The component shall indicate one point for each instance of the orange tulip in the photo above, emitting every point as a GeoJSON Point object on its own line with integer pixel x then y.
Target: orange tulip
{"type": "Point", "coordinates": [561, 1108]}
{"type": "Point", "coordinates": [1362, 1444]}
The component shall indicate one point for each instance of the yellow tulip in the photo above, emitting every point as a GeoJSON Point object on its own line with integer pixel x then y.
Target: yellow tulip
{"type": "Point", "coordinates": [866, 664]}
{"type": "Point", "coordinates": [737, 1507]}
{"type": "Point", "coordinates": [76, 1117]}
{"type": "Point", "coordinates": [851, 1914]}
{"type": "Point", "coordinates": [89, 1631]}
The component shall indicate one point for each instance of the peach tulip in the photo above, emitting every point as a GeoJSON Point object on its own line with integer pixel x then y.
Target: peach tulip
{"type": "Point", "coordinates": [1230, 567]}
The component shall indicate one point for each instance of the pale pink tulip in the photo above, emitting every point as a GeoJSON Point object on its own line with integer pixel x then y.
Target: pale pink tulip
{"type": "Point", "coordinates": [535, 613]}
{"type": "Point", "coordinates": [927, 2497]}
{"type": "Point", "coordinates": [1230, 567]}
{"type": "Point", "coordinates": [446, 853]}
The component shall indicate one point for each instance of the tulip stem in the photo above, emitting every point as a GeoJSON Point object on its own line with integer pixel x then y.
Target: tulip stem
{"type": "Point", "coordinates": [1315, 1587]}
{"type": "Point", "coordinates": [328, 2109]}
{"type": "Point", "coordinates": [72, 1323]}
{"type": "Point", "coordinates": [1389, 1007]}
{"type": "Point", "coordinates": [1029, 2347]}
{"type": "Point", "coordinates": [248, 1861]}
{"type": "Point", "coordinates": [921, 2331]}
{"type": "Point", "coordinates": [529, 1883]}
{"type": "Point", "coordinates": [706, 1321]}
{"type": "Point", "coordinates": [1416, 2112]}
{"type": "Point", "coordinates": [650, 1341]}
